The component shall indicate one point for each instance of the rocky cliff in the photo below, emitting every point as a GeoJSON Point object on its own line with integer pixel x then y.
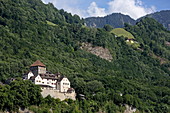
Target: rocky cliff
{"type": "Point", "coordinates": [103, 53]}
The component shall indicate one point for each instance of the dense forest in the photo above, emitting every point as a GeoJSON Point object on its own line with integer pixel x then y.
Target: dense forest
{"type": "Point", "coordinates": [162, 17]}
{"type": "Point", "coordinates": [31, 30]}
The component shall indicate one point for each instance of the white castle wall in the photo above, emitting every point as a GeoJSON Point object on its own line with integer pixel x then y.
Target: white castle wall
{"type": "Point", "coordinates": [48, 82]}
{"type": "Point", "coordinates": [64, 85]}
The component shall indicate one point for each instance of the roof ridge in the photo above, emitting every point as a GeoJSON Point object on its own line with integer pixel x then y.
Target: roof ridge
{"type": "Point", "coordinates": [38, 63]}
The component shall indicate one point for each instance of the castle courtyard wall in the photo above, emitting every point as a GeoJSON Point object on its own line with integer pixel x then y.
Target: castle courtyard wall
{"type": "Point", "coordinates": [56, 94]}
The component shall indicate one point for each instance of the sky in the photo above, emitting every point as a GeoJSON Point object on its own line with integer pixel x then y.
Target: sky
{"type": "Point", "coordinates": [100, 8]}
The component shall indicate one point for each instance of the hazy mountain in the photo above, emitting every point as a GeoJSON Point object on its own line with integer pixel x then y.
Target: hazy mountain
{"type": "Point", "coordinates": [116, 20]}
{"type": "Point", "coordinates": [162, 17]}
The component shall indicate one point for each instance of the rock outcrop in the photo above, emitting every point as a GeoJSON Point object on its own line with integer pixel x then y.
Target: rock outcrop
{"type": "Point", "coordinates": [98, 51]}
{"type": "Point", "coordinates": [129, 109]}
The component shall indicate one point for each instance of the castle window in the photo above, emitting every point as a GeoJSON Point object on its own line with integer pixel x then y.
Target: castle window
{"type": "Point", "coordinates": [65, 83]}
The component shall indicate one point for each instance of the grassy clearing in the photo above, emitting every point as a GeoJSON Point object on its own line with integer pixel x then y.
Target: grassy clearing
{"type": "Point", "coordinates": [122, 32]}
{"type": "Point", "coordinates": [50, 23]}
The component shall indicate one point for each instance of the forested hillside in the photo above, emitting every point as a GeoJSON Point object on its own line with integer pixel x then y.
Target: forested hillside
{"type": "Point", "coordinates": [162, 17]}
{"type": "Point", "coordinates": [31, 30]}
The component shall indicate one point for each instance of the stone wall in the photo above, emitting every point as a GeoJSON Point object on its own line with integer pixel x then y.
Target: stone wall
{"type": "Point", "coordinates": [56, 94]}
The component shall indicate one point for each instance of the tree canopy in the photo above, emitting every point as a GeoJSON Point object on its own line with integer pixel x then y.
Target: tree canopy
{"type": "Point", "coordinates": [31, 30]}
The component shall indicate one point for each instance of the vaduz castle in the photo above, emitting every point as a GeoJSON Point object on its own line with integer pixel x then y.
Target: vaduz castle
{"type": "Point", "coordinates": [55, 85]}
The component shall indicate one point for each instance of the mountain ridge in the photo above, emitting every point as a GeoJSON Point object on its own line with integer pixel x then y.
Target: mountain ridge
{"type": "Point", "coordinates": [162, 17]}
{"type": "Point", "coordinates": [119, 20]}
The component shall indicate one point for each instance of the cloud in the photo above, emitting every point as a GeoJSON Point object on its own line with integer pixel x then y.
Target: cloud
{"type": "Point", "coordinates": [133, 8]}
{"type": "Point", "coordinates": [71, 6]}
{"type": "Point", "coordinates": [51, 1]}
{"type": "Point", "coordinates": [94, 10]}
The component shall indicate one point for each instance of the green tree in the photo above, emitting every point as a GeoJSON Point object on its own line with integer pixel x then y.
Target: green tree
{"type": "Point", "coordinates": [108, 27]}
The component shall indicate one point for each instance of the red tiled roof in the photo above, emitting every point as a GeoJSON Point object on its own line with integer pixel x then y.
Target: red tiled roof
{"type": "Point", "coordinates": [38, 63]}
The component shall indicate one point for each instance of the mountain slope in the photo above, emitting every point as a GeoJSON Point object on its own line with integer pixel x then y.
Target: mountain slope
{"type": "Point", "coordinates": [31, 30]}
{"type": "Point", "coordinates": [116, 20]}
{"type": "Point", "coordinates": [162, 17]}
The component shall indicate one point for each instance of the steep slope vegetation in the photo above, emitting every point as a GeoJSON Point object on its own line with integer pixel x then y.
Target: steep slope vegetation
{"type": "Point", "coordinates": [155, 38]}
{"type": "Point", "coordinates": [31, 30]}
{"type": "Point", "coordinates": [162, 17]}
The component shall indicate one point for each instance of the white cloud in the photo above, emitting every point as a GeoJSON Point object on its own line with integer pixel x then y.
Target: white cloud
{"type": "Point", "coordinates": [133, 8]}
{"type": "Point", "coordinates": [94, 10]}
{"type": "Point", "coordinates": [71, 6]}
{"type": "Point", "coordinates": [51, 1]}
{"type": "Point", "coordinates": [138, 2]}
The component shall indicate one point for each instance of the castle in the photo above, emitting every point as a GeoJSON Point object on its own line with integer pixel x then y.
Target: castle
{"type": "Point", "coordinates": [55, 85]}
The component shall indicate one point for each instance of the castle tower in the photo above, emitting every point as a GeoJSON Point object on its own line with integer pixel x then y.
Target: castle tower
{"type": "Point", "coordinates": [38, 68]}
